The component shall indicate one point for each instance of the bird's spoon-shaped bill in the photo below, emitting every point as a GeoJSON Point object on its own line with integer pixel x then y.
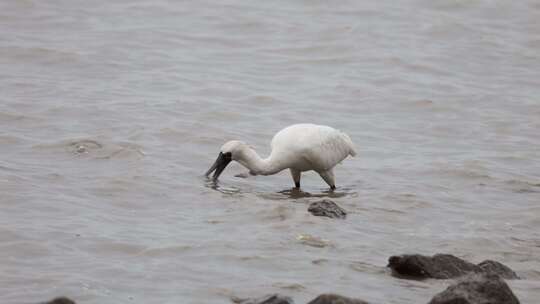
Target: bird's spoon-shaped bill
{"type": "Point", "coordinates": [219, 165]}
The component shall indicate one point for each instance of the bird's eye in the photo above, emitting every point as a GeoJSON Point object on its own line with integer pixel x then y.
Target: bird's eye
{"type": "Point", "coordinates": [228, 155]}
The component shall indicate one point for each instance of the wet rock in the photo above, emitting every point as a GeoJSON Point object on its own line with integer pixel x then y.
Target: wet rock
{"type": "Point", "coordinates": [335, 299]}
{"type": "Point", "coordinates": [443, 266]}
{"type": "Point", "coordinates": [477, 289]}
{"type": "Point", "coordinates": [327, 208]}
{"type": "Point", "coordinates": [439, 266]}
{"type": "Point", "coordinates": [60, 300]}
{"type": "Point", "coordinates": [494, 267]}
{"type": "Point", "coordinates": [269, 299]}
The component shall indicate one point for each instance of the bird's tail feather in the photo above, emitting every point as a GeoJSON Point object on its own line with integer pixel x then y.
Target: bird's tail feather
{"type": "Point", "coordinates": [349, 142]}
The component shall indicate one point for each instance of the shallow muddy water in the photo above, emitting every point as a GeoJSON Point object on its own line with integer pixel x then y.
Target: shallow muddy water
{"type": "Point", "coordinates": [110, 113]}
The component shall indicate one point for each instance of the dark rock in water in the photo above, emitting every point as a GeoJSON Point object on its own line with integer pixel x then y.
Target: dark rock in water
{"type": "Point", "coordinates": [477, 289]}
{"type": "Point", "coordinates": [269, 299]}
{"type": "Point", "coordinates": [443, 266]}
{"type": "Point", "coordinates": [439, 266]}
{"type": "Point", "coordinates": [60, 300]}
{"type": "Point", "coordinates": [335, 299]}
{"type": "Point", "coordinates": [494, 267]}
{"type": "Point", "coordinates": [327, 208]}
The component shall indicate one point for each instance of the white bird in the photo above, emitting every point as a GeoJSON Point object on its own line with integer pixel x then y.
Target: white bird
{"type": "Point", "coordinates": [299, 148]}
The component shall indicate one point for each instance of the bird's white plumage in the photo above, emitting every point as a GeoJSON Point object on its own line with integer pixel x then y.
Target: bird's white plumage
{"type": "Point", "coordinates": [300, 147]}
{"type": "Point", "coordinates": [311, 147]}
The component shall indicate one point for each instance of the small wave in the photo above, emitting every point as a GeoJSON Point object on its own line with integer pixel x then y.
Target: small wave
{"type": "Point", "coordinates": [10, 140]}
{"type": "Point", "coordinates": [289, 286]}
{"type": "Point", "coordinates": [295, 193]}
{"type": "Point", "coordinates": [280, 213]}
{"type": "Point", "coordinates": [97, 149]}
{"type": "Point", "coordinates": [387, 210]}
{"type": "Point", "coordinates": [523, 186]}
{"type": "Point", "coordinates": [215, 185]}
{"type": "Point", "coordinates": [25, 250]}
{"type": "Point", "coordinates": [530, 274]}
{"type": "Point", "coordinates": [8, 167]}
{"type": "Point", "coordinates": [117, 248]}
{"type": "Point", "coordinates": [286, 194]}
{"type": "Point", "coordinates": [470, 170]}
{"type": "Point", "coordinates": [165, 251]}
{"type": "Point", "coordinates": [367, 268]}
{"type": "Point", "coordinates": [12, 117]}
{"type": "Point", "coordinates": [40, 54]}
{"type": "Point", "coordinates": [522, 183]}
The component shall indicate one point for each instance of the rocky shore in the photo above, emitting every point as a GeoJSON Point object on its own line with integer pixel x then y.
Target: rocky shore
{"type": "Point", "coordinates": [480, 283]}
{"type": "Point", "coordinates": [472, 288]}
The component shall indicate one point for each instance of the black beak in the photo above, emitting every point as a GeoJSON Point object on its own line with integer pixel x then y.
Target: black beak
{"type": "Point", "coordinates": [221, 162]}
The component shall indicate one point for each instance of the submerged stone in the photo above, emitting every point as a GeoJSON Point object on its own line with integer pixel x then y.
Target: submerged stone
{"type": "Point", "coordinates": [327, 208]}
{"type": "Point", "coordinates": [60, 300]}
{"type": "Point", "coordinates": [494, 267]}
{"type": "Point", "coordinates": [84, 146]}
{"type": "Point", "coordinates": [477, 289]}
{"type": "Point", "coordinates": [335, 299]}
{"type": "Point", "coordinates": [268, 299]}
{"type": "Point", "coordinates": [313, 241]}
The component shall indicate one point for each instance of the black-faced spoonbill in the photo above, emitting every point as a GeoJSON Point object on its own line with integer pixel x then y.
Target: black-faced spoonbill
{"type": "Point", "coordinates": [300, 147]}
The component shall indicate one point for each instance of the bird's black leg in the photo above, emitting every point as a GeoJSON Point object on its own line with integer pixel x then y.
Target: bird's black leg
{"type": "Point", "coordinates": [328, 177]}
{"type": "Point", "coordinates": [296, 177]}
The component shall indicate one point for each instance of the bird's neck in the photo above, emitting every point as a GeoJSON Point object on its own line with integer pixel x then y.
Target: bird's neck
{"type": "Point", "coordinates": [258, 165]}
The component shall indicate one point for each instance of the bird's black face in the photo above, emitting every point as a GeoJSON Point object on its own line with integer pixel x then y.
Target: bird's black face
{"type": "Point", "coordinates": [222, 161]}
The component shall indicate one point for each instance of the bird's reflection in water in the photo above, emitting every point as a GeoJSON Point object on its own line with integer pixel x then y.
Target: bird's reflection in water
{"type": "Point", "coordinates": [214, 185]}
{"type": "Point", "coordinates": [289, 193]}
{"type": "Point", "coordinates": [295, 193]}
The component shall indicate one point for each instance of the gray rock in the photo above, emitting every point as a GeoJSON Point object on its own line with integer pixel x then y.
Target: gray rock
{"type": "Point", "coordinates": [269, 299]}
{"type": "Point", "coordinates": [443, 266]}
{"type": "Point", "coordinates": [60, 300]}
{"type": "Point", "coordinates": [494, 267]}
{"type": "Point", "coordinates": [477, 289]}
{"type": "Point", "coordinates": [439, 266]}
{"type": "Point", "coordinates": [327, 208]}
{"type": "Point", "coordinates": [335, 299]}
